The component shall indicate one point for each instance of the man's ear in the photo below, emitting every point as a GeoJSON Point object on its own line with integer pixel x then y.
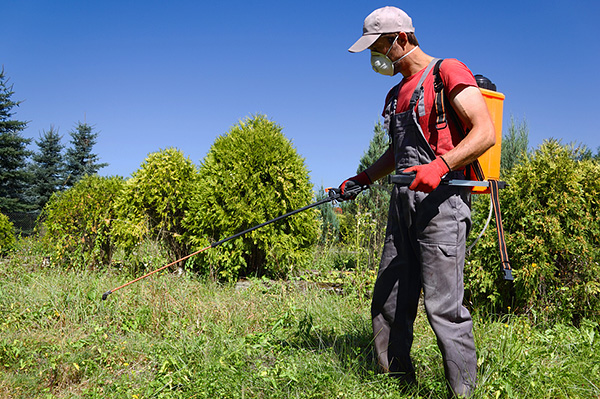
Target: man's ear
{"type": "Point", "coordinates": [402, 39]}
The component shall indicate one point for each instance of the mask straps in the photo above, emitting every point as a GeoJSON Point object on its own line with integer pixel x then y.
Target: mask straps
{"type": "Point", "coordinates": [392, 45]}
{"type": "Point", "coordinates": [405, 55]}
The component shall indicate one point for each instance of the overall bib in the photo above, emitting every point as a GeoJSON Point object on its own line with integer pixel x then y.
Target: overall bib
{"type": "Point", "coordinates": [424, 249]}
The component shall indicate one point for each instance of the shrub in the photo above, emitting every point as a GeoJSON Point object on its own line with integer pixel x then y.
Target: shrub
{"type": "Point", "coordinates": [251, 175]}
{"type": "Point", "coordinates": [154, 202]}
{"type": "Point", "coordinates": [77, 222]}
{"type": "Point", "coordinates": [551, 218]}
{"type": "Point", "coordinates": [7, 234]}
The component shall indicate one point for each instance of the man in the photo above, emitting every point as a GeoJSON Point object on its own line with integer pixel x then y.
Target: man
{"type": "Point", "coordinates": [428, 223]}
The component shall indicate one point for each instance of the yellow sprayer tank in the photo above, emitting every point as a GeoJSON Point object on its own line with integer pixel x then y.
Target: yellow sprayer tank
{"type": "Point", "coordinates": [490, 160]}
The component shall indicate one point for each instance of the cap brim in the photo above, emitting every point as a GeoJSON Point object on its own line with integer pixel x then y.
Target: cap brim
{"type": "Point", "coordinates": [364, 43]}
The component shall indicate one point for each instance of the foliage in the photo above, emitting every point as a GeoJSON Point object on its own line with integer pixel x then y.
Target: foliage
{"type": "Point", "coordinates": [360, 232]}
{"type": "Point", "coordinates": [551, 218]}
{"type": "Point", "coordinates": [514, 145]}
{"type": "Point", "coordinates": [155, 201]}
{"type": "Point", "coordinates": [14, 176]}
{"type": "Point", "coordinates": [377, 198]}
{"type": "Point", "coordinates": [342, 269]}
{"type": "Point", "coordinates": [328, 219]}
{"type": "Point", "coordinates": [364, 220]}
{"type": "Point", "coordinates": [378, 145]}
{"type": "Point", "coordinates": [177, 337]}
{"type": "Point", "coordinates": [47, 169]}
{"type": "Point", "coordinates": [80, 159]}
{"type": "Point", "coordinates": [77, 222]}
{"type": "Point", "coordinates": [251, 175]}
{"type": "Point", "coordinates": [7, 234]}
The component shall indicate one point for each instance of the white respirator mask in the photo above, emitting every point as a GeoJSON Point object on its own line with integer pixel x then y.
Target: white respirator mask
{"type": "Point", "coordinates": [382, 64]}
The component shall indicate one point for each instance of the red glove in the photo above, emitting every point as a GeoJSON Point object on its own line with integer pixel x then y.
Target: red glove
{"type": "Point", "coordinates": [361, 179]}
{"type": "Point", "coordinates": [428, 176]}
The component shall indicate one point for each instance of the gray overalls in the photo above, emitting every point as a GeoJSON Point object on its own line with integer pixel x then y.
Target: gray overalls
{"type": "Point", "coordinates": [424, 248]}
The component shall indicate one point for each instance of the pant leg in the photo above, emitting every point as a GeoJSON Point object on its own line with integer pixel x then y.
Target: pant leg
{"type": "Point", "coordinates": [442, 248]}
{"type": "Point", "coordinates": [396, 297]}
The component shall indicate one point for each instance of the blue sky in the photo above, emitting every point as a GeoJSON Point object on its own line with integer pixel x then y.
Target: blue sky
{"type": "Point", "coordinates": [156, 74]}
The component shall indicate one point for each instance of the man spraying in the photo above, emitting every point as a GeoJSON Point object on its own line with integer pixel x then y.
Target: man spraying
{"type": "Point", "coordinates": [427, 223]}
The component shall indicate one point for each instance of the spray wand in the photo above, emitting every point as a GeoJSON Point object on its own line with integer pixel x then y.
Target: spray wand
{"type": "Point", "coordinates": [334, 194]}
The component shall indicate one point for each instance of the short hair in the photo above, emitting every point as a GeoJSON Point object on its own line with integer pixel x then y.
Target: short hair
{"type": "Point", "coordinates": [412, 39]}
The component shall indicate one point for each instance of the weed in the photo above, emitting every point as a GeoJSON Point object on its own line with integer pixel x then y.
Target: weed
{"type": "Point", "coordinates": [180, 337]}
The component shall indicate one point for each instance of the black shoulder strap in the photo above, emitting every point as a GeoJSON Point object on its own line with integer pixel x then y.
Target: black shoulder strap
{"type": "Point", "coordinates": [440, 107]}
{"type": "Point", "coordinates": [442, 121]}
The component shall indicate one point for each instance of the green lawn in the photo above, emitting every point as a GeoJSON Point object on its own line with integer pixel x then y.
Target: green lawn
{"type": "Point", "coordinates": [180, 337]}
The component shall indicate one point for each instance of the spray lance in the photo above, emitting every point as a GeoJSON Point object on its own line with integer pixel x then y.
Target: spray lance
{"type": "Point", "coordinates": [333, 194]}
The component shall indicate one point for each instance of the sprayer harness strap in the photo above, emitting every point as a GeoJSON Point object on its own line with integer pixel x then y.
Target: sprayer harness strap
{"type": "Point", "coordinates": [442, 122]}
{"type": "Point", "coordinates": [506, 269]}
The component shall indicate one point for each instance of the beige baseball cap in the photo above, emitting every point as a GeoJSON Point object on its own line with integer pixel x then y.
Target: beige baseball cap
{"type": "Point", "coordinates": [383, 20]}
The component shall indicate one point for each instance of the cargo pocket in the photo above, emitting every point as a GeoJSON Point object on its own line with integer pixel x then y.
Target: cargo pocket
{"type": "Point", "coordinates": [448, 250]}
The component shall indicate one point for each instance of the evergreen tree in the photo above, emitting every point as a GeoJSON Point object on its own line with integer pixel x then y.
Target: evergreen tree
{"type": "Point", "coordinates": [376, 200]}
{"type": "Point", "coordinates": [377, 147]}
{"type": "Point", "coordinates": [14, 176]}
{"type": "Point", "coordinates": [250, 175]}
{"type": "Point", "coordinates": [514, 145]}
{"type": "Point", "coordinates": [80, 160]}
{"type": "Point", "coordinates": [48, 167]}
{"type": "Point", "coordinates": [330, 222]}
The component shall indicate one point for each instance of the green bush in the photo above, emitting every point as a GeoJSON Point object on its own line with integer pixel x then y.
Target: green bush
{"type": "Point", "coordinates": [155, 201]}
{"type": "Point", "coordinates": [551, 218]}
{"type": "Point", "coordinates": [7, 234]}
{"type": "Point", "coordinates": [77, 222]}
{"type": "Point", "coordinates": [251, 175]}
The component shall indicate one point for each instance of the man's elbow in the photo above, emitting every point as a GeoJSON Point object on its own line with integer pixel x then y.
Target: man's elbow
{"type": "Point", "coordinates": [490, 136]}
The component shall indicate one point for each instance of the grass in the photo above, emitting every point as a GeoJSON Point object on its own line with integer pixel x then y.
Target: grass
{"type": "Point", "coordinates": [182, 337]}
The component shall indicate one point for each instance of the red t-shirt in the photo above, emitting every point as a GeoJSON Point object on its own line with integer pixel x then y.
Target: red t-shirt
{"type": "Point", "coordinates": [453, 73]}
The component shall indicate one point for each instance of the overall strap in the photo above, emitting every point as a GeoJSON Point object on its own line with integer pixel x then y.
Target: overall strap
{"type": "Point", "coordinates": [419, 88]}
{"type": "Point", "coordinates": [415, 96]}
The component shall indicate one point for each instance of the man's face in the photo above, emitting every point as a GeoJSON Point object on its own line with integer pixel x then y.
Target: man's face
{"type": "Point", "coordinates": [382, 54]}
{"type": "Point", "coordinates": [384, 44]}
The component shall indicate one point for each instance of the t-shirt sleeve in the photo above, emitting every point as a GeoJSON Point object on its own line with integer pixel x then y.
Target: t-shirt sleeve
{"type": "Point", "coordinates": [454, 73]}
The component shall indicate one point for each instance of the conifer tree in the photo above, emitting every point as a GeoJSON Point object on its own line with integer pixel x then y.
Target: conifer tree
{"type": "Point", "coordinates": [376, 200]}
{"type": "Point", "coordinates": [250, 175]}
{"type": "Point", "coordinates": [47, 168]}
{"type": "Point", "coordinates": [377, 147]}
{"type": "Point", "coordinates": [14, 175]}
{"type": "Point", "coordinates": [514, 145]}
{"type": "Point", "coordinates": [80, 160]}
